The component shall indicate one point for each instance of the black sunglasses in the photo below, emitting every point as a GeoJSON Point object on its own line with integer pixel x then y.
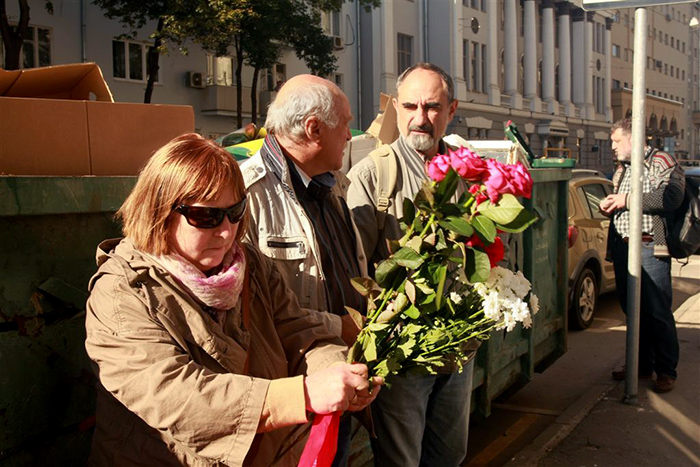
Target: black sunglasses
{"type": "Point", "coordinates": [209, 218]}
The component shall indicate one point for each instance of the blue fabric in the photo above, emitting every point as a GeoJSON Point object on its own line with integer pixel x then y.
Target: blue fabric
{"type": "Point", "coordinates": [423, 420]}
{"type": "Point", "coordinates": [658, 341]}
{"type": "Point", "coordinates": [344, 433]}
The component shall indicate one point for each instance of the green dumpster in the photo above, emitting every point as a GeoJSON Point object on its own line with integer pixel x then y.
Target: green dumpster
{"type": "Point", "coordinates": [49, 229]}
{"type": "Point", "coordinates": [509, 360]}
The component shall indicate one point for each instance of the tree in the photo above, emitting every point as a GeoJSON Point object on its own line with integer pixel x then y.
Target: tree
{"type": "Point", "coordinates": [175, 20]}
{"type": "Point", "coordinates": [13, 36]}
{"type": "Point", "coordinates": [270, 25]}
{"type": "Point", "coordinates": [134, 14]}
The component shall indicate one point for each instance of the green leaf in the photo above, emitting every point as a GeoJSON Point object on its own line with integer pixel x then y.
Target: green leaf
{"type": "Point", "coordinates": [441, 242]}
{"type": "Point", "coordinates": [410, 291]}
{"type": "Point", "coordinates": [407, 345]}
{"type": "Point", "coordinates": [401, 301]}
{"type": "Point", "coordinates": [478, 266]}
{"type": "Point", "coordinates": [458, 225]}
{"type": "Point", "coordinates": [386, 272]}
{"type": "Point", "coordinates": [503, 212]}
{"type": "Point", "coordinates": [407, 258]}
{"type": "Point", "coordinates": [424, 288]}
{"type": "Point", "coordinates": [524, 220]}
{"type": "Point", "coordinates": [364, 285]}
{"type": "Point", "coordinates": [446, 187]}
{"type": "Point", "coordinates": [485, 228]}
{"type": "Point", "coordinates": [442, 275]}
{"type": "Point", "coordinates": [417, 224]}
{"type": "Point", "coordinates": [412, 312]}
{"type": "Point", "coordinates": [424, 198]}
{"type": "Point", "coordinates": [369, 347]}
{"type": "Point", "coordinates": [356, 317]}
{"type": "Point", "coordinates": [393, 245]}
{"type": "Point", "coordinates": [414, 244]}
{"type": "Point", "coordinates": [409, 211]}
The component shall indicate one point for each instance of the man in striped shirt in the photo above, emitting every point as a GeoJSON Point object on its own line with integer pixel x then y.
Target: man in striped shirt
{"type": "Point", "coordinates": [662, 193]}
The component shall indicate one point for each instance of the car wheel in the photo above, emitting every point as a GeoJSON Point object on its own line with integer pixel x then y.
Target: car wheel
{"type": "Point", "coordinates": [585, 299]}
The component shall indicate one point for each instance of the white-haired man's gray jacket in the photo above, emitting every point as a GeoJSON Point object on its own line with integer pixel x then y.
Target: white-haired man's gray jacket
{"type": "Point", "coordinates": [282, 230]}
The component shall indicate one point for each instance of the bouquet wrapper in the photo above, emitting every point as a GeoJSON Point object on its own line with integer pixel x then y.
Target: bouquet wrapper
{"type": "Point", "coordinates": [323, 441]}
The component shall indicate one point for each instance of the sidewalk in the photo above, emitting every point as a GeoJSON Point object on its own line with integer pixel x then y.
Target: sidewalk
{"type": "Point", "coordinates": [659, 430]}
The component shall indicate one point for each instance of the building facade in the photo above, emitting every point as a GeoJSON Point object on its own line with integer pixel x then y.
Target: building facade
{"type": "Point", "coordinates": [672, 88]}
{"type": "Point", "coordinates": [561, 74]}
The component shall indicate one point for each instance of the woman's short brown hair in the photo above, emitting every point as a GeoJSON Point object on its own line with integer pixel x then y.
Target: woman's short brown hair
{"type": "Point", "coordinates": [188, 169]}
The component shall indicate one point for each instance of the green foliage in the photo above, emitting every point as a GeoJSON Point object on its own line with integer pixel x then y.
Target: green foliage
{"type": "Point", "coordinates": [426, 307]}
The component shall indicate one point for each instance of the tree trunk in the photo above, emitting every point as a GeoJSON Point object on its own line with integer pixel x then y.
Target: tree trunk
{"type": "Point", "coordinates": [254, 96]}
{"type": "Point", "coordinates": [239, 83]}
{"type": "Point", "coordinates": [12, 38]}
{"type": "Point", "coordinates": [152, 62]}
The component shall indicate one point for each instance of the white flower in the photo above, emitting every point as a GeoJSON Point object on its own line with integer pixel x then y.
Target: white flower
{"type": "Point", "coordinates": [492, 308]}
{"type": "Point", "coordinates": [455, 297]}
{"type": "Point", "coordinates": [534, 303]}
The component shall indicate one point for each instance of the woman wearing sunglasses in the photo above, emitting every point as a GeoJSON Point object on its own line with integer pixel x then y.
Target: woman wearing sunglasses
{"type": "Point", "coordinates": [203, 355]}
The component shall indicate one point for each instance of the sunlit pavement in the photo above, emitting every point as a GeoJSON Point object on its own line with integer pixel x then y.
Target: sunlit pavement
{"type": "Point", "coordinates": [573, 415]}
{"type": "Point", "coordinates": [661, 429]}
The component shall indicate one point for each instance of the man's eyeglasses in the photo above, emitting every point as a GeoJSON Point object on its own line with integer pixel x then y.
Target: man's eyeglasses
{"type": "Point", "coordinates": [209, 218]}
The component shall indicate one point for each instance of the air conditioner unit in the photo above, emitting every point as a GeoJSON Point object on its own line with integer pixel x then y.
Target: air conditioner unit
{"type": "Point", "coordinates": [195, 80]}
{"type": "Point", "coordinates": [338, 43]}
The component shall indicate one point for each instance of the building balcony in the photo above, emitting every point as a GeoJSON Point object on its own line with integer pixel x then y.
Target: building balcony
{"type": "Point", "coordinates": [222, 101]}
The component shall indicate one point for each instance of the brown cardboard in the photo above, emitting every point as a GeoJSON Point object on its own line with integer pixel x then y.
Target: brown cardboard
{"type": "Point", "coordinates": [75, 82]}
{"type": "Point", "coordinates": [384, 125]}
{"type": "Point", "coordinates": [123, 136]}
{"type": "Point", "coordinates": [43, 137]}
{"type": "Point", "coordinates": [50, 124]}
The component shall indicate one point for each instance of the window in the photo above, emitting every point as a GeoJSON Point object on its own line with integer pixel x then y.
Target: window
{"type": "Point", "coordinates": [616, 84]}
{"type": "Point", "coordinates": [592, 195]}
{"type": "Point", "coordinates": [36, 48]}
{"type": "Point", "coordinates": [465, 61]}
{"type": "Point", "coordinates": [616, 50]}
{"type": "Point", "coordinates": [129, 60]}
{"type": "Point", "coordinates": [330, 22]}
{"type": "Point", "coordinates": [484, 85]}
{"type": "Point", "coordinates": [474, 78]}
{"type": "Point", "coordinates": [273, 78]}
{"type": "Point", "coordinates": [405, 51]}
{"type": "Point", "coordinates": [337, 78]}
{"type": "Point", "coordinates": [220, 72]}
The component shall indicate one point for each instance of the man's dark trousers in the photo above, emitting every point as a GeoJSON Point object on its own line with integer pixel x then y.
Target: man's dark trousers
{"type": "Point", "coordinates": [658, 341]}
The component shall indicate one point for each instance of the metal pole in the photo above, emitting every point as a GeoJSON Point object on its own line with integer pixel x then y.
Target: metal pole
{"type": "Point", "coordinates": [634, 264]}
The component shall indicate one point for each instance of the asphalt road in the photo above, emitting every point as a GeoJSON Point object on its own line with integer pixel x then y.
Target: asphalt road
{"type": "Point", "coordinates": [564, 393]}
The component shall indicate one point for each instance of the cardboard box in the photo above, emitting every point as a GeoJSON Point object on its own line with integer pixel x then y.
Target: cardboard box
{"type": "Point", "coordinates": [62, 120]}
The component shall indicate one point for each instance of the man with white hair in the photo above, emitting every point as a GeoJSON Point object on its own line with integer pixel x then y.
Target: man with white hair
{"type": "Point", "coordinates": [299, 217]}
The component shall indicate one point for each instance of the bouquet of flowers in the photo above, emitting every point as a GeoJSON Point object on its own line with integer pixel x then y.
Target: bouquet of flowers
{"type": "Point", "coordinates": [441, 288]}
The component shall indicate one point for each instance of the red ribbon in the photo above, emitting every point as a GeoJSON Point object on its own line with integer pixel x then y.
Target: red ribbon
{"type": "Point", "coordinates": [323, 441]}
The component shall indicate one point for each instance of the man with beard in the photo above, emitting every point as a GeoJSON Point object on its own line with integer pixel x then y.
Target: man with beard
{"type": "Point", "coordinates": [662, 192]}
{"type": "Point", "coordinates": [421, 419]}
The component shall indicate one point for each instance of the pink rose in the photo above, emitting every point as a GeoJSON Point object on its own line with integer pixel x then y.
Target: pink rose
{"type": "Point", "coordinates": [521, 180]}
{"type": "Point", "coordinates": [494, 251]}
{"type": "Point", "coordinates": [478, 193]}
{"type": "Point", "coordinates": [438, 167]}
{"type": "Point", "coordinates": [468, 165]}
{"type": "Point", "coordinates": [498, 180]}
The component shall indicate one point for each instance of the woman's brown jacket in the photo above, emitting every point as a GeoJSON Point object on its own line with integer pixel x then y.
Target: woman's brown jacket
{"type": "Point", "coordinates": [173, 386]}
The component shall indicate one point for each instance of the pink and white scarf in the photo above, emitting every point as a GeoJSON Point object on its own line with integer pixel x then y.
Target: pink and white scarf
{"type": "Point", "coordinates": [220, 291]}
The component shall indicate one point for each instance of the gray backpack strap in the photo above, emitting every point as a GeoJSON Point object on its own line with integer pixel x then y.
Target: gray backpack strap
{"type": "Point", "coordinates": [385, 162]}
